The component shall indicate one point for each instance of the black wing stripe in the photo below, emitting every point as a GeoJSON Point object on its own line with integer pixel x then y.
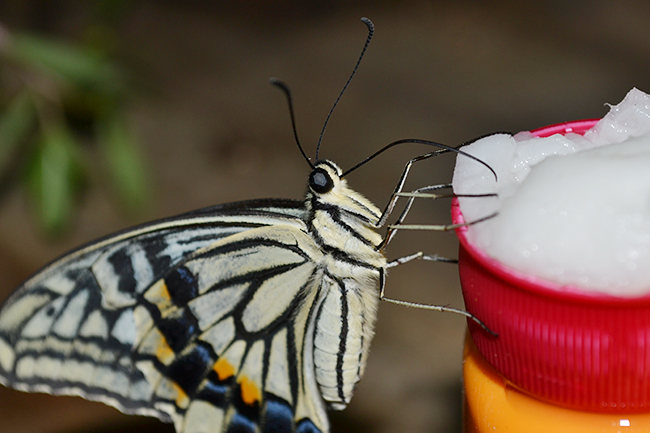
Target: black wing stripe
{"type": "Point", "coordinates": [343, 336]}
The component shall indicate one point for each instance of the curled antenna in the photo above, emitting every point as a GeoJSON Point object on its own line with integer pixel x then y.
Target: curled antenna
{"type": "Point", "coordinates": [287, 93]}
{"type": "Point", "coordinates": [371, 32]}
{"type": "Point", "coordinates": [444, 148]}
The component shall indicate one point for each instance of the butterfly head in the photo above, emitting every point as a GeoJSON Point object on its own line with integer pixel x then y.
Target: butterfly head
{"type": "Point", "coordinates": [328, 189]}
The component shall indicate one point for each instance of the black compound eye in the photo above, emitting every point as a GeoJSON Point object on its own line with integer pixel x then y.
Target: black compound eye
{"type": "Point", "coordinates": [320, 181]}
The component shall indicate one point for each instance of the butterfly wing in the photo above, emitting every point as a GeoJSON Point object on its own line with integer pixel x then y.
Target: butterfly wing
{"type": "Point", "coordinates": [199, 319]}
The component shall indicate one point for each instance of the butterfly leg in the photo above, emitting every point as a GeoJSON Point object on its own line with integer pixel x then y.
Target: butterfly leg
{"type": "Point", "coordinates": [398, 225]}
{"type": "Point", "coordinates": [440, 308]}
{"type": "Point", "coordinates": [424, 192]}
{"type": "Point", "coordinates": [400, 186]}
{"type": "Point", "coordinates": [419, 255]}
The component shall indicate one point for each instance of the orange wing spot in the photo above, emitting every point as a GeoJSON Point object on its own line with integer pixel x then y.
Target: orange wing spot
{"type": "Point", "coordinates": [250, 393]}
{"type": "Point", "coordinates": [182, 400]}
{"type": "Point", "coordinates": [223, 369]}
{"type": "Point", "coordinates": [158, 294]}
{"type": "Point", "coordinates": [164, 353]}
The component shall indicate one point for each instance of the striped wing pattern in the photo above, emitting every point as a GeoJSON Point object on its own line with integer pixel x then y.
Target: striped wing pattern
{"type": "Point", "coordinates": [216, 345]}
{"type": "Point", "coordinates": [171, 320]}
{"type": "Point", "coordinates": [249, 317]}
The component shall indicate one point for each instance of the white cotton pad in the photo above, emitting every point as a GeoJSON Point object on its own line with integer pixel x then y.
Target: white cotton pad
{"type": "Point", "coordinates": [572, 209]}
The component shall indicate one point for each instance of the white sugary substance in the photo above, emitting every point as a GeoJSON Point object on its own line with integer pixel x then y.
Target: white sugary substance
{"type": "Point", "coordinates": [571, 209]}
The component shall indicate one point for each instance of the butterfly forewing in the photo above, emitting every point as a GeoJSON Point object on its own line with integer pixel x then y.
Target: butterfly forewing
{"type": "Point", "coordinates": [80, 325]}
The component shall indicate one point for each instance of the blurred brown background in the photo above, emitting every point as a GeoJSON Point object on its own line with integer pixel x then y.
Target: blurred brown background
{"type": "Point", "coordinates": [214, 131]}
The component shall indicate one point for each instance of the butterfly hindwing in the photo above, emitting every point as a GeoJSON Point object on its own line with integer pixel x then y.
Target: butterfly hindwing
{"type": "Point", "coordinates": [233, 352]}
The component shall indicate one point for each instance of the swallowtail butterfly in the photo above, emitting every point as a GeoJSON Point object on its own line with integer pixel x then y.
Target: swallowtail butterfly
{"type": "Point", "coordinates": [251, 317]}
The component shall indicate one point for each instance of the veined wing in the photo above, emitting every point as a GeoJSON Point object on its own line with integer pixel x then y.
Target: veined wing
{"type": "Point", "coordinates": [71, 329]}
{"type": "Point", "coordinates": [226, 337]}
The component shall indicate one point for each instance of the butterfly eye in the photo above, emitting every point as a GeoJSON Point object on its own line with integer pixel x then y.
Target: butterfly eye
{"type": "Point", "coordinates": [320, 181]}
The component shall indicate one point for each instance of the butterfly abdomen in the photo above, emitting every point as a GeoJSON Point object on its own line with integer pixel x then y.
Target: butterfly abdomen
{"type": "Point", "coordinates": [343, 331]}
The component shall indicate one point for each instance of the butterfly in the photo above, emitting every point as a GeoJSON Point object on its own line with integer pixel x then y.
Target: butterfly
{"type": "Point", "coordinates": [250, 316]}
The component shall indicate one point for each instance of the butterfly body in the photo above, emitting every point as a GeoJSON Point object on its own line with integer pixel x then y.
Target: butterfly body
{"type": "Point", "coordinates": [254, 316]}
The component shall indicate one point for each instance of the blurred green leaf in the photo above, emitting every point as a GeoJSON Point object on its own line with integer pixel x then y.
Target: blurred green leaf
{"type": "Point", "coordinates": [119, 146]}
{"type": "Point", "coordinates": [16, 123]}
{"type": "Point", "coordinates": [79, 65]}
{"type": "Point", "coordinates": [72, 95]}
{"type": "Point", "coordinates": [52, 177]}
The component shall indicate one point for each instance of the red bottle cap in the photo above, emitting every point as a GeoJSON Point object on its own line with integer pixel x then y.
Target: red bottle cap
{"type": "Point", "coordinates": [584, 350]}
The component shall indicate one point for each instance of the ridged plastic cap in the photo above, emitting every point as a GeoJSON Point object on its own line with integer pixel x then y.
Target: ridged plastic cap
{"type": "Point", "coordinates": [573, 348]}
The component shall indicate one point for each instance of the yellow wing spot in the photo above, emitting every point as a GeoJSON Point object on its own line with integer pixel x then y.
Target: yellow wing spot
{"type": "Point", "coordinates": [250, 393]}
{"type": "Point", "coordinates": [182, 400]}
{"type": "Point", "coordinates": [158, 294]}
{"type": "Point", "coordinates": [223, 368]}
{"type": "Point", "coordinates": [164, 353]}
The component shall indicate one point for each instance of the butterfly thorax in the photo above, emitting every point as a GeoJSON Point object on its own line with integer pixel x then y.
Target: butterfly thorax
{"type": "Point", "coordinates": [342, 221]}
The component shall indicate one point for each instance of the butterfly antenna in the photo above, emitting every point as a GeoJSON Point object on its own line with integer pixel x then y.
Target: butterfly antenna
{"type": "Point", "coordinates": [443, 149]}
{"type": "Point", "coordinates": [371, 32]}
{"type": "Point", "coordinates": [287, 93]}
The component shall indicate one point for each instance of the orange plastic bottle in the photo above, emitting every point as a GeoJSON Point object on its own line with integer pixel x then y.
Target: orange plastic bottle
{"type": "Point", "coordinates": [492, 405]}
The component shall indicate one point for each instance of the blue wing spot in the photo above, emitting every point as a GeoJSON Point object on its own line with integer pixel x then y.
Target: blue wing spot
{"type": "Point", "coordinates": [307, 426]}
{"type": "Point", "coordinates": [189, 370]}
{"type": "Point", "coordinates": [241, 424]}
{"type": "Point", "coordinates": [278, 417]}
{"type": "Point", "coordinates": [182, 286]}
{"type": "Point", "coordinates": [215, 391]}
{"type": "Point", "coordinates": [179, 331]}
